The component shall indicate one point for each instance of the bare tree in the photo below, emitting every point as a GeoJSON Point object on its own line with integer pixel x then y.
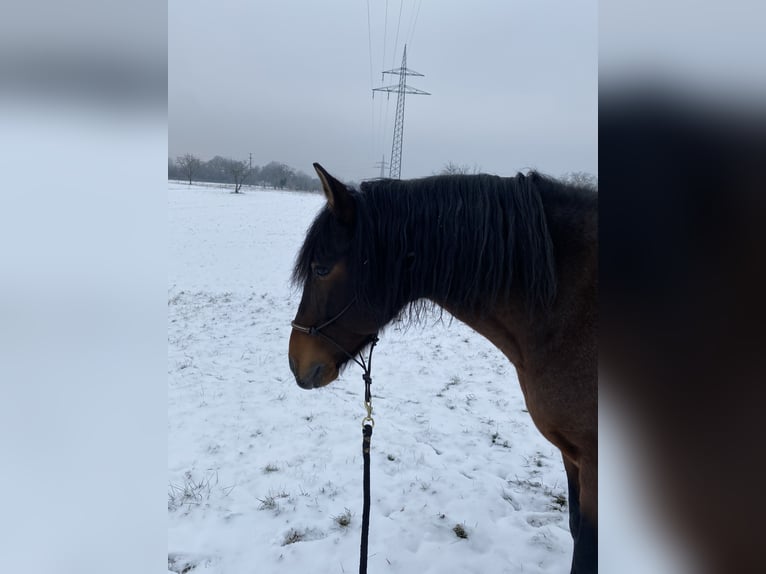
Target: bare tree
{"type": "Point", "coordinates": [451, 168]}
{"type": "Point", "coordinates": [188, 164]}
{"type": "Point", "coordinates": [239, 170]}
{"type": "Point", "coordinates": [277, 174]}
{"type": "Point", "coordinates": [581, 179]}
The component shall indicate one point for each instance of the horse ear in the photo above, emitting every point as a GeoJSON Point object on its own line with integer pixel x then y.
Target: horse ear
{"type": "Point", "coordinates": [337, 194]}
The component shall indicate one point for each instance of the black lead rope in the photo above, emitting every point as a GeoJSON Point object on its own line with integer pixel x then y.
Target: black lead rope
{"type": "Point", "coordinates": [366, 438]}
{"type": "Point", "coordinates": [367, 422]}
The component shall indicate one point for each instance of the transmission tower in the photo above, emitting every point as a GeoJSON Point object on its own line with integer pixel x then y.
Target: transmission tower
{"type": "Point", "coordinates": [400, 89]}
{"type": "Point", "coordinates": [382, 165]}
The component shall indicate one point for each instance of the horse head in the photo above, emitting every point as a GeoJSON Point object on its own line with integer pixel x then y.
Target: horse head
{"type": "Point", "coordinates": [331, 326]}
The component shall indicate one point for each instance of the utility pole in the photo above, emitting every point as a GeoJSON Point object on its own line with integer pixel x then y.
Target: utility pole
{"type": "Point", "coordinates": [251, 161]}
{"type": "Point", "coordinates": [400, 89]}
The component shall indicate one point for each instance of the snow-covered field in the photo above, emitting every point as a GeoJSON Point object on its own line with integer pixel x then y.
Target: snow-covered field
{"type": "Point", "coordinates": [264, 476]}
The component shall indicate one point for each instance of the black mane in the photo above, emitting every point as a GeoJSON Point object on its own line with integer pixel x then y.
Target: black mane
{"type": "Point", "coordinates": [462, 240]}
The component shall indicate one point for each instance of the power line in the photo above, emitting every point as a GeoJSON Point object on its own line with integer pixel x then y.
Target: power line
{"type": "Point", "coordinates": [369, 40]}
{"type": "Point", "coordinates": [385, 37]}
{"type": "Point", "coordinates": [369, 49]}
{"type": "Point", "coordinates": [401, 89]}
{"type": "Point", "coordinates": [380, 113]}
{"type": "Point", "coordinates": [398, 24]}
{"type": "Point", "coordinates": [413, 24]}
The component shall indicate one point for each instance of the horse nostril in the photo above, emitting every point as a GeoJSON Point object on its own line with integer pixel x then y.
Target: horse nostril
{"type": "Point", "coordinates": [315, 375]}
{"type": "Point", "coordinates": [293, 366]}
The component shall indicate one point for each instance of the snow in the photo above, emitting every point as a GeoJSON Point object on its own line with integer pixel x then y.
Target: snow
{"type": "Point", "coordinates": [261, 472]}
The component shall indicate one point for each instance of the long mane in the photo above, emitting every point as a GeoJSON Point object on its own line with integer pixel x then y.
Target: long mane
{"type": "Point", "coordinates": [463, 240]}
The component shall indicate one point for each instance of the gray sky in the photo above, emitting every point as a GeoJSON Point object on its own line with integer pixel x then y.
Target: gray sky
{"type": "Point", "coordinates": [513, 83]}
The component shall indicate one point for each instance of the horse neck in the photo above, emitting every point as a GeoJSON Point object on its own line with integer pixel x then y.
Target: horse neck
{"type": "Point", "coordinates": [506, 326]}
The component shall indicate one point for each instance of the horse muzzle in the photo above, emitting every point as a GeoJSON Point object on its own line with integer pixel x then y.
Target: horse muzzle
{"type": "Point", "coordinates": [315, 376]}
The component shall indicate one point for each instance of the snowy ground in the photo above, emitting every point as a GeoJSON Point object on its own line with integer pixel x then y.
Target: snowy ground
{"type": "Point", "coordinates": [264, 475]}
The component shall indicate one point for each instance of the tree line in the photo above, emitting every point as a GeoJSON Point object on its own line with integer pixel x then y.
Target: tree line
{"type": "Point", "coordinates": [579, 178]}
{"type": "Point", "coordinates": [189, 167]}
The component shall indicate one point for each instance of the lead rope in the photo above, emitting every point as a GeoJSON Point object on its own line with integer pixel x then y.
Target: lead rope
{"type": "Point", "coordinates": [367, 424]}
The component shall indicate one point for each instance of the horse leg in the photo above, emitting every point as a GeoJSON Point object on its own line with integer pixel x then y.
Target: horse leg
{"type": "Point", "coordinates": [573, 482]}
{"type": "Point", "coordinates": [582, 527]}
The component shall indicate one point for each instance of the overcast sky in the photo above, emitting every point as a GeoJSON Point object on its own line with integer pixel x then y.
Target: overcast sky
{"type": "Point", "coordinates": [513, 83]}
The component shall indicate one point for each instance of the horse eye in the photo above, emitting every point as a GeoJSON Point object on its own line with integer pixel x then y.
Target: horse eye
{"type": "Point", "coordinates": [321, 270]}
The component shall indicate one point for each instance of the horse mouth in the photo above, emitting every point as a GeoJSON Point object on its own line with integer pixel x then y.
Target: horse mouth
{"type": "Point", "coordinates": [318, 376]}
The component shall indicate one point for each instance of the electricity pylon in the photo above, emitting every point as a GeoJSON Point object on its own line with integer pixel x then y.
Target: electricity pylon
{"type": "Point", "coordinates": [400, 89]}
{"type": "Point", "coordinates": [382, 165]}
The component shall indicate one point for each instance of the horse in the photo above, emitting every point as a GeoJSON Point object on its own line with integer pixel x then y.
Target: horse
{"type": "Point", "coordinates": [515, 258]}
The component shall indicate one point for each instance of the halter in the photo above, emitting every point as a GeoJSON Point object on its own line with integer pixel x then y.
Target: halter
{"type": "Point", "coordinates": [317, 332]}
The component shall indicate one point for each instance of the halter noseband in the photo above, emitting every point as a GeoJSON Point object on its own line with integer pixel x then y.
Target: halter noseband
{"type": "Point", "coordinates": [317, 332]}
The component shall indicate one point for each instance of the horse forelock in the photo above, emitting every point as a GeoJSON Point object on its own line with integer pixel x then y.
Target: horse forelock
{"type": "Point", "coordinates": [313, 244]}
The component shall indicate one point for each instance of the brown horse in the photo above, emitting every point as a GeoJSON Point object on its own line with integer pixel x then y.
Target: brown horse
{"type": "Point", "coordinates": [514, 258]}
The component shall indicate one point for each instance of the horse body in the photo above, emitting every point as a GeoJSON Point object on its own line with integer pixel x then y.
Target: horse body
{"type": "Point", "coordinates": [556, 357]}
{"type": "Point", "coordinates": [514, 258]}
